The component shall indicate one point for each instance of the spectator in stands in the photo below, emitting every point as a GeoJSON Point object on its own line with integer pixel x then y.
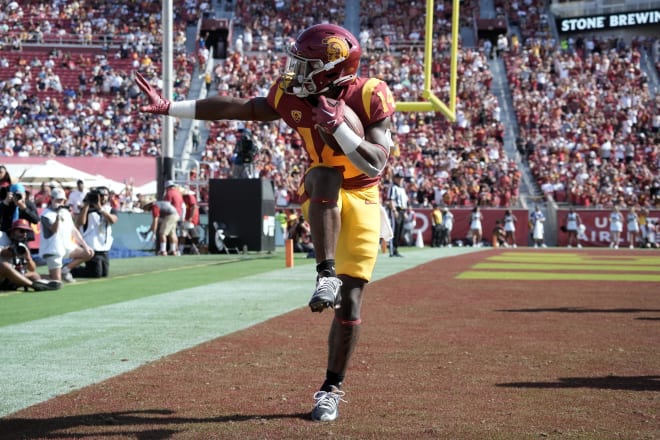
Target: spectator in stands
{"type": "Point", "coordinates": [241, 80]}
{"type": "Point", "coordinates": [574, 137]}
{"type": "Point", "coordinates": [281, 196]}
{"type": "Point", "coordinates": [502, 45]}
{"type": "Point", "coordinates": [60, 239]}
{"type": "Point", "coordinates": [568, 157]}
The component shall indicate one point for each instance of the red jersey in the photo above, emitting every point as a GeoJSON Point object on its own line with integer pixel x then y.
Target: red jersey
{"type": "Point", "coordinates": [192, 211]}
{"type": "Point", "coordinates": [173, 195]}
{"type": "Point", "coordinates": [370, 98]}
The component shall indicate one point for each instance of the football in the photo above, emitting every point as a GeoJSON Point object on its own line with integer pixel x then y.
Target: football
{"type": "Point", "coordinates": [351, 119]}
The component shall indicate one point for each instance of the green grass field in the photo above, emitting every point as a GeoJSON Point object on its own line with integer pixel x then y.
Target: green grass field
{"type": "Point", "coordinates": [149, 307]}
{"type": "Point", "coordinates": [133, 278]}
{"type": "Point", "coordinates": [493, 336]}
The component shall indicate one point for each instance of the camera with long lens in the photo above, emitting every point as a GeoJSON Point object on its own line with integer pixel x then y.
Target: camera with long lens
{"type": "Point", "coordinates": [20, 251]}
{"type": "Point", "coordinates": [92, 198]}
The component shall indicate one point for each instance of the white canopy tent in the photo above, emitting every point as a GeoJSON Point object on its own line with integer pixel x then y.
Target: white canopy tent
{"type": "Point", "coordinates": [54, 171]}
{"type": "Point", "coordinates": [148, 189]}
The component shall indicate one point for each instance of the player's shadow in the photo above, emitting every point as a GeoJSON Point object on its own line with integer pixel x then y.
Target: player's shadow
{"type": "Point", "coordinates": [628, 383]}
{"type": "Point", "coordinates": [579, 310]}
{"type": "Point", "coordinates": [133, 424]}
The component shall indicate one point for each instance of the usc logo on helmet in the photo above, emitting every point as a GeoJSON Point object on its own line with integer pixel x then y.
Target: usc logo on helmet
{"type": "Point", "coordinates": [336, 48]}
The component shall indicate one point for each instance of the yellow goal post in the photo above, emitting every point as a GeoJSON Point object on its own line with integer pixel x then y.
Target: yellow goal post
{"type": "Point", "coordinates": [432, 102]}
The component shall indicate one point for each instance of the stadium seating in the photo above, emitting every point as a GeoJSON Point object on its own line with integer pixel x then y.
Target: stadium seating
{"type": "Point", "coordinates": [574, 155]}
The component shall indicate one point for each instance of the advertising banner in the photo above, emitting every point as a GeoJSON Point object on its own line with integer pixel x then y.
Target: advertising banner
{"type": "Point", "coordinates": [603, 22]}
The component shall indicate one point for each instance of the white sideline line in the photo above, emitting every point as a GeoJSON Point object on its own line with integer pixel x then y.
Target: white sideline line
{"type": "Point", "coordinates": [45, 358]}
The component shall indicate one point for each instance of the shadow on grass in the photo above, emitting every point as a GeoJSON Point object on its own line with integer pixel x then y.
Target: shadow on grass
{"type": "Point", "coordinates": [629, 383]}
{"type": "Point", "coordinates": [47, 428]}
{"type": "Point", "coordinates": [578, 310]}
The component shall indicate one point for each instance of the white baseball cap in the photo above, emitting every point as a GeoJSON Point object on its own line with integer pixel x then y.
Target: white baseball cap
{"type": "Point", "coordinates": [58, 194]}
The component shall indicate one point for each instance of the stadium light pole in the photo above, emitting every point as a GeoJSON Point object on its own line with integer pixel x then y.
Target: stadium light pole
{"type": "Point", "coordinates": [167, 141]}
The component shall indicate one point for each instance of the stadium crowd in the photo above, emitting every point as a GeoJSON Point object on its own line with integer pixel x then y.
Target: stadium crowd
{"type": "Point", "coordinates": [77, 100]}
{"type": "Point", "coordinates": [588, 125]}
{"type": "Point", "coordinates": [82, 101]}
{"type": "Point", "coordinates": [588, 120]}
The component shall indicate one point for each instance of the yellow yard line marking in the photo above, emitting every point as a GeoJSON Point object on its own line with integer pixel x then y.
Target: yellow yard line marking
{"type": "Point", "coordinates": [535, 266]}
{"type": "Point", "coordinates": [556, 276]}
{"type": "Point", "coordinates": [571, 258]}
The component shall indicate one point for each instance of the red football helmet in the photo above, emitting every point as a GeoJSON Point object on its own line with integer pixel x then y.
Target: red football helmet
{"type": "Point", "coordinates": [323, 55]}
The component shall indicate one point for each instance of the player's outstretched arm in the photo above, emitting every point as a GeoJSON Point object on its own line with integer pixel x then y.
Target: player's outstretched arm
{"type": "Point", "coordinates": [208, 109]}
{"type": "Point", "coordinates": [157, 104]}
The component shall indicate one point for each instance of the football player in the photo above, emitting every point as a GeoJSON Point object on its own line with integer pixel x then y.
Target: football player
{"type": "Point", "coordinates": [340, 188]}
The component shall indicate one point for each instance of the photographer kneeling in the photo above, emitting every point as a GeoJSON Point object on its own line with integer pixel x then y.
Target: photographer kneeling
{"type": "Point", "coordinates": [17, 268]}
{"type": "Point", "coordinates": [95, 223]}
{"type": "Point", "coordinates": [60, 239]}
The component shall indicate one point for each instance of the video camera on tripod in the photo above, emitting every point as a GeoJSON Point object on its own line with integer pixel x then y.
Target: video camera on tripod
{"type": "Point", "coordinates": [246, 148]}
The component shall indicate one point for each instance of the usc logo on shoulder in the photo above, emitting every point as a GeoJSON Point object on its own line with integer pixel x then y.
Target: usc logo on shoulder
{"type": "Point", "coordinates": [336, 48]}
